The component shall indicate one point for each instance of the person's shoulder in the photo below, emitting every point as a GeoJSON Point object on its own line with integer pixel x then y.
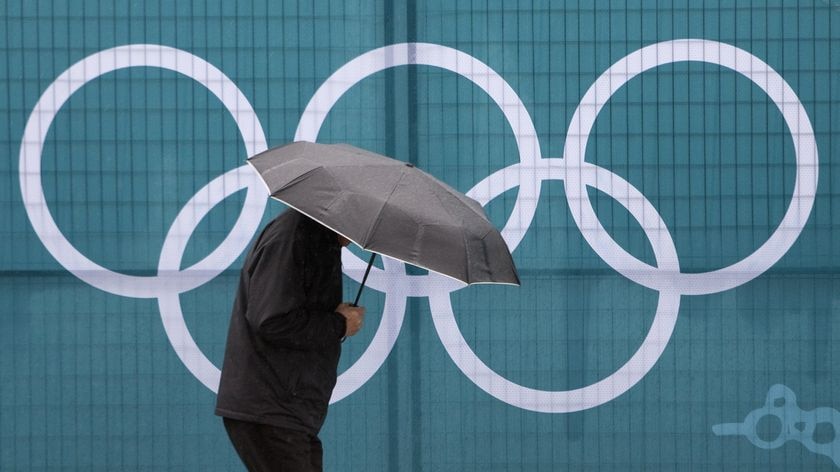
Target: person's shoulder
{"type": "Point", "coordinates": [280, 230]}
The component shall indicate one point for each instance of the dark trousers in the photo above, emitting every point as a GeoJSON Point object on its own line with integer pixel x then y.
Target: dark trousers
{"type": "Point", "coordinates": [264, 447]}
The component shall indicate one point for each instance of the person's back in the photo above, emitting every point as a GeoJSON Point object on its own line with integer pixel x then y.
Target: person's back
{"type": "Point", "coordinates": [285, 333]}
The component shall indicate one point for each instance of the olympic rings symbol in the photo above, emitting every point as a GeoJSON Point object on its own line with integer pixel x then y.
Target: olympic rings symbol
{"type": "Point", "coordinates": [665, 277]}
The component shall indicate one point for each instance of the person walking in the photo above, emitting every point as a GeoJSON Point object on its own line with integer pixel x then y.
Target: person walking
{"type": "Point", "coordinates": [283, 345]}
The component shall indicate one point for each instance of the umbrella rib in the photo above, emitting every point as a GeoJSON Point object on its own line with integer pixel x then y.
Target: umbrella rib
{"type": "Point", "coordinates": [466, 253]}
{"type": "Point", "coordinates": [379, 213]}
{"type": "Point", "coordinates": [443, 204]}
{"type": "Point", "coordinates": [300, 178]}
{"type": "Point", "coordinates": [457, 195]}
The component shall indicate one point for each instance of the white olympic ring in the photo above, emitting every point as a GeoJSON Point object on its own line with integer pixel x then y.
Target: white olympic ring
{"type": "Point", "coordinates": [32, 191]}
{"type": "Point", "coordinates": [528, 174]}
{"type": "Point", "coordinates": [804, 190]}
{"type": "Point", "coordinates": [170, 280]}
{"type": "Point", "coordinates": [313, 117]}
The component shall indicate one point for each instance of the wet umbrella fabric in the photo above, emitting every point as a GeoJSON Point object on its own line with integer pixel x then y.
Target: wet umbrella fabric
{"type": "Point", "coordinates": [388, 207]}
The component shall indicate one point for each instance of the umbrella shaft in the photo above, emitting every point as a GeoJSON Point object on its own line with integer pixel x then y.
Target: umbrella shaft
{"type": "Point", "coordinates": [364, 279]}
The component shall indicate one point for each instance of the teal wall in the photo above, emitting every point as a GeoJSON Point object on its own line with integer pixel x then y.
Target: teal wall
{"type": "Point", "coordinates": [90, 378]}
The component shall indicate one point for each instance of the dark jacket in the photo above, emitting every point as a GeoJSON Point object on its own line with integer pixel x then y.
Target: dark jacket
{"type": "Point", "coordinates": [284, 339]}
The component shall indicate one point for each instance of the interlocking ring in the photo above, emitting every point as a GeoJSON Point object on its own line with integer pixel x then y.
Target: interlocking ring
{"type": "Point", "coordinates": [527, 174]}
{"type": "Point", "coordinates": [170, 280]}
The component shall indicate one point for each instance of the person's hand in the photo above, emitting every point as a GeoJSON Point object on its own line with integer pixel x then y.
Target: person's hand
{"type": "Point", "coordinates": [354, 316]}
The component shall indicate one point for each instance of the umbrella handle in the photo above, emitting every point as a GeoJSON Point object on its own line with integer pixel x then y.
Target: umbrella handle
{"type": "Point", "coordinates": [364, 279]}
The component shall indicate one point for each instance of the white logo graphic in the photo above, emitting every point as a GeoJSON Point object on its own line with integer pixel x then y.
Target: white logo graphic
{"type": "Point", "coordinates": [527, 174]}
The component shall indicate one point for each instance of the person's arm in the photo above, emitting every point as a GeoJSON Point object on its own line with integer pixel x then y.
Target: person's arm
{"type": "Point", "coordinates": [277, 308]}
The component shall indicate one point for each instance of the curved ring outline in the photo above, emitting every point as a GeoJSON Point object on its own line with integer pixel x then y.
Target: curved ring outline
{"type": "Point", "coordinates": [170, 279]}
{"type": "Point", "coordinates": [312, 119]}
{"type": "Point", "coordinates": [578, 174]}
{"type": "Point", "coordinates": [795, 116]}
{"type": "Point", "coordinates": [666, 276]}
{"type": "Point", "coordinates": [32, 191]}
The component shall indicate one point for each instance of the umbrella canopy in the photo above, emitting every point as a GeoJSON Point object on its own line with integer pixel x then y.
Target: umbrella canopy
{"type": "Point", "coordinates": [388, 207]}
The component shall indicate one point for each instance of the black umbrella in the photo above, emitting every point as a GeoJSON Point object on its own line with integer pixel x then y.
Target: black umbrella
{"type": "Point", "coordinates": [388, 207]}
